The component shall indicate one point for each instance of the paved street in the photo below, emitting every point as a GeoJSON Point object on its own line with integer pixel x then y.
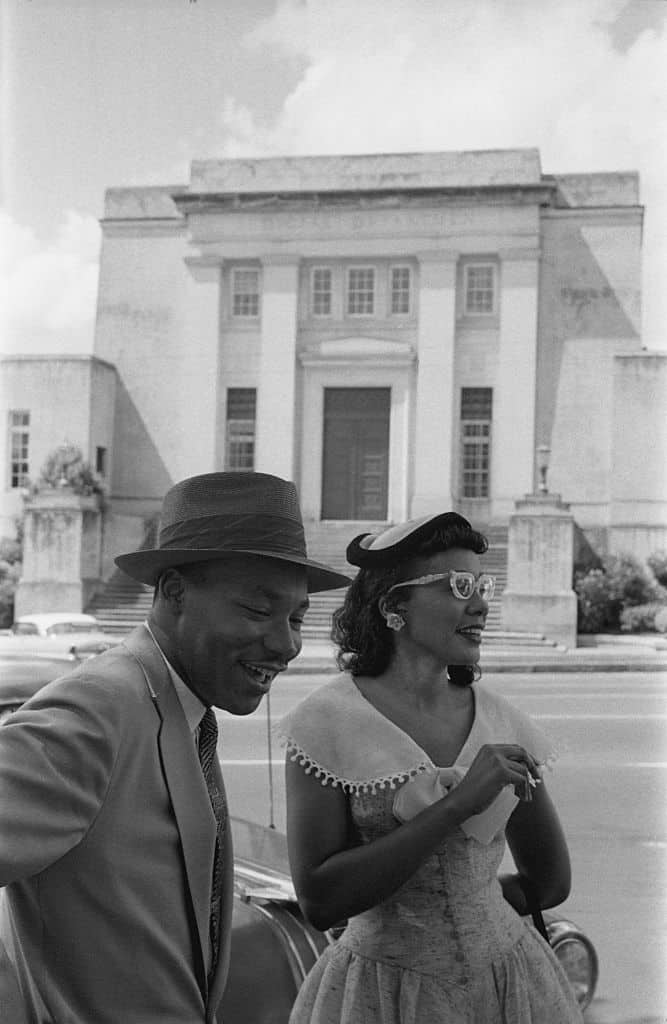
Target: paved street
{"type": "Point", "coordinates": [610, 786]}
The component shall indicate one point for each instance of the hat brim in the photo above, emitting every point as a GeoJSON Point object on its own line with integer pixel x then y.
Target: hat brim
{"type": "Point", "coordinates": [146, 566]}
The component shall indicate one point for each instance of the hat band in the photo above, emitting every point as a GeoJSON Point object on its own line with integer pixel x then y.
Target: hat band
{"type": "Point", "coordinates": [263, 532]}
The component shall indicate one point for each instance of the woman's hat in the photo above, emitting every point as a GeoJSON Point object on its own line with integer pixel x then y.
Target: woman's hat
{"type": "Point", "coordinates": [371, 550]}
{"type": "Point", "coordinates": [207, 517]}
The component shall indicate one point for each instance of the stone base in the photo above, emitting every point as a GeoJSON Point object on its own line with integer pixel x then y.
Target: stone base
{"type": "Point", "coordinates": [553, 615]}
{"type": "Point", "coordinates": [35, 596]}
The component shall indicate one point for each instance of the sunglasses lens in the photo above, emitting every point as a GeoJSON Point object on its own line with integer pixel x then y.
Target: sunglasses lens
{"type": "Point", "coordinates": [463, 584]}
{"type": "Point", "coordinates": [486, 586]}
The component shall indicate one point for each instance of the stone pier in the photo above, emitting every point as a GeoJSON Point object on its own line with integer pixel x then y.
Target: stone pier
{"type": "Point", "coordinates": [539, 596]}
{"type": "Point", "coordinates": [61, 553]}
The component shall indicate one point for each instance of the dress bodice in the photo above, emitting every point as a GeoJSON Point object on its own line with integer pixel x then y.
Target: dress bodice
{"type": "Point", "coordinates": [446, 946]}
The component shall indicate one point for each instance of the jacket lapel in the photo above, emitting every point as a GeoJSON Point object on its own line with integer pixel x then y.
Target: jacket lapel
{"type": "Point", "coordinates": [185, 782]}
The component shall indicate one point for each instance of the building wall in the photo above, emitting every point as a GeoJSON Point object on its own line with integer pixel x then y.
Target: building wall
{"type": "Point", "coordinates": [638, 477]}
{"type": "Point", "coordinates": [379, 237]}
{"type": "Point", "coordinates": [70, 400]}
{"type": "Point", "coordinates": [166, 371]}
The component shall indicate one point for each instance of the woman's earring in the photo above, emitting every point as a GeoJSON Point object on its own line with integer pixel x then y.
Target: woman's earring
{"type": "Point", "coordinates": [395, 621]}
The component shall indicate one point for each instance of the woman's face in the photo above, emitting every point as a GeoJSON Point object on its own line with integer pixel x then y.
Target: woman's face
{"type": "Point", "coordinates": [436, 622]}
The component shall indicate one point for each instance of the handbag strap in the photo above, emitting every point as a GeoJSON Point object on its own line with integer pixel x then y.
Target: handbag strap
{"type": "Point", "coordinates": [533, 904]}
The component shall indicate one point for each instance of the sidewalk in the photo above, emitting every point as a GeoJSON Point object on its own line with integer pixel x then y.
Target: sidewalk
{"type": "Point", "coordinates": [601, 653]}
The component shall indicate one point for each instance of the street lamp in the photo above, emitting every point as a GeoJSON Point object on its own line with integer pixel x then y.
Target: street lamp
{"type": "Point", "coordinates": [543, 456]}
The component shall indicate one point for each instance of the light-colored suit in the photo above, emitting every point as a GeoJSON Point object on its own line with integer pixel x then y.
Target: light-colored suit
{"type": "Point", "coordinates": [106, 849]}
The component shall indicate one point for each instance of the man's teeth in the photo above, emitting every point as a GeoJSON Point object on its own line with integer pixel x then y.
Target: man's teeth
{"type": "Point", "coordinates": [262, 674]}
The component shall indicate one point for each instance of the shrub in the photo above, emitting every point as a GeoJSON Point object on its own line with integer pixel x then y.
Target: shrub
{"type": "Point", "coordinates": [641, 618]}
{"type": "Point", "coordinates": [603, 595]}
{"type": "Point", "coordinates": [66, 467]}
{"type": "Point", "coordinates": [596, 611]}
{"type": "Point", "coordinates": [657, 563]}
{"type": "Point", "coordinates": [660, 623]}
{"type": "Point", "coordinates": [10, 571]}
{"type": "Point", "coordinates": [630, 582]}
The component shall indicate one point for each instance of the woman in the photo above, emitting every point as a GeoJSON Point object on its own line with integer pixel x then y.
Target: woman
{"type": "Point", "coordinates": [404, 778]}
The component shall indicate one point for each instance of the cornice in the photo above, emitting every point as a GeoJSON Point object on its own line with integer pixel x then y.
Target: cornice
{"type": "Point", "coordinates": [139, 226]}
{"type": "Point", "coordinates": [515, 195]}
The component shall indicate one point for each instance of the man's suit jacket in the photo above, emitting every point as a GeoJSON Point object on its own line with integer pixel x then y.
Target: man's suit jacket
{"type": "Point", "coordinates": [106, 849]}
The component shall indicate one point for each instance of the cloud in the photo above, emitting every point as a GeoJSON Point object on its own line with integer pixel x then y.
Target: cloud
{"type": "Point", "coordinates": [48, 290]}
{"type": "Point", "coordinates": [406, 75]}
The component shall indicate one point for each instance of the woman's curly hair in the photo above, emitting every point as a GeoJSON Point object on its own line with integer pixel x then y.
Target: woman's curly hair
{"type": "Point", "coordinates": [365, 644]}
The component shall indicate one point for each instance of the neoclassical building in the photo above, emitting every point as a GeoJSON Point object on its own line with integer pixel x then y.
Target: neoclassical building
{"type": "Point", "coordinates": [395, 333]}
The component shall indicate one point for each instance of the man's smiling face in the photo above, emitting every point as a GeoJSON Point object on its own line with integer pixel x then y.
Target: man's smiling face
{"type": "Point", "coordinates": [238, 624]}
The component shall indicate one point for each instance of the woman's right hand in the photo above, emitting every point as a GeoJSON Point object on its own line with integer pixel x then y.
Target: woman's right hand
{"type": "Point", "coordinates": [496, 765]}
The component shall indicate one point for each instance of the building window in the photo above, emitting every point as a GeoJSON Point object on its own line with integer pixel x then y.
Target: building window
{"type": "Point", "coordinates": [480, 291]}
{"type": "Point", "coordinates": [240, 435]}
{"type": "Point", "coordinates": [476, 408]}
{"type": "Point", "coordinates": [19, 440]}
{"type": "Point", "coordinates": [245, 292]}
{"type": "Point", "coordinates": [321, 291]}
{"type": "Point", "coordinates": [101, 460]}
{"type": "Point", "coordinates": [360, 291]}
{"type": "Point", "coordinates": [400, 290]}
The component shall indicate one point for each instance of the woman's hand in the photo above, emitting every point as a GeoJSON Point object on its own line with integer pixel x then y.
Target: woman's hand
{"type": "Point", "coordinates": [497, 765]}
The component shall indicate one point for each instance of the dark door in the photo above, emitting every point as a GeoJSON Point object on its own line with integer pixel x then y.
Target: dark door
{"type": "Point", "coordinates": [356, 453]}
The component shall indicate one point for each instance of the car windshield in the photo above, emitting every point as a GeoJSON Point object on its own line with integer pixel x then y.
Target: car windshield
{"type": "Point", "coordinates": [59, 628]}
{"type": "Point", "coordinates": [25, 629]}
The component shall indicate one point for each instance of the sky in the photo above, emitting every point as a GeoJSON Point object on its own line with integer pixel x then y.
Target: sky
{"type": "Point", "coordinates": [106, 93]}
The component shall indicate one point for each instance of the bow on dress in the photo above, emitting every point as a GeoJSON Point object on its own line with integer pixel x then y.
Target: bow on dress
{"type": "Point", "coordinates": [428, 787]}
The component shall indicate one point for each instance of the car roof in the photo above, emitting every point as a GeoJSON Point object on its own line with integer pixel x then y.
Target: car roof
{"type": "Point", "coordinates": [52, 618]}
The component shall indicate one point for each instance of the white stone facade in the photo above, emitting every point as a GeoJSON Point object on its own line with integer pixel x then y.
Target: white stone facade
{"type": "Point", "coordinates": [478, 306]}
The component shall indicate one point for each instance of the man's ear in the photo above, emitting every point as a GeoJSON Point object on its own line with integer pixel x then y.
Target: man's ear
{"type": "Point", "coordinates": [171, 587]}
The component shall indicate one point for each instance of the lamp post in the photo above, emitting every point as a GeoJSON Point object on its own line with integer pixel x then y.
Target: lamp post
{"type": "Point", "coordinates": [543, 456]}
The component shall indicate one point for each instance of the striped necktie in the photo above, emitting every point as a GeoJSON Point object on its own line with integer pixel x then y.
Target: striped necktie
{"type": "Point", "coordinates": [208, 742]}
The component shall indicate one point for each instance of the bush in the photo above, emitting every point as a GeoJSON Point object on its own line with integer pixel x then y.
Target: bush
{"type": "Point", "coordinates": [630, 582]}
{"type": "Point", "coordinates": [603, 595]}
{"type": "Point", "coordinates": [596, 611]}
{"type": "Point", "coordinates": [66, 467]}
{"type": "Point", "coordinates": [657, 563]}
{"type": "Point", "coordinates": [641, 618]}
{"type": "Point", "coordinates": [10, 572]}
{"type": "Point", "coordinates": [660, 623]}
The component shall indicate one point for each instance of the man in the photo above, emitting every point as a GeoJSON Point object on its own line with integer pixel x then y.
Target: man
{"type": "Point", "coordinates": [115, 848]}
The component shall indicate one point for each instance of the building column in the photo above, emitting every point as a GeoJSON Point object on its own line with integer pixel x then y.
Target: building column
{"type": "Point", "coordinates": [513, 446]}
{"type": "Point", "coordinates": [194, 426]}
{"type": "Point", "coordinates": [435, 405]}
{"type": "Point", "coordinates": [275, 442]}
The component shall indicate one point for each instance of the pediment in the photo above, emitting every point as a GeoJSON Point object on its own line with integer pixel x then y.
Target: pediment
{"type": "Point", "coordinates": [359, 348]}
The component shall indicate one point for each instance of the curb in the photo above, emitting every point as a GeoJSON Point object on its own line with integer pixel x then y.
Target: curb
{"type": "Point", "coordinates": [493, 666]}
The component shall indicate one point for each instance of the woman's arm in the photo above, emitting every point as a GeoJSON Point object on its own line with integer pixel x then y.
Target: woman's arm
{"type": "Point", "coordinates": [336, 877]}
{"type": "Point", "coordinates": [538, 846]}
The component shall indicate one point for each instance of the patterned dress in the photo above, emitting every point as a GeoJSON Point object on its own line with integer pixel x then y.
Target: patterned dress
{"type": "Point", "coordinates": [446, 948]}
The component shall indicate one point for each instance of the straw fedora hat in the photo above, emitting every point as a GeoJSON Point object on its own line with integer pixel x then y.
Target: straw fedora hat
{"type": "Point", "coordinates": [209, 516]}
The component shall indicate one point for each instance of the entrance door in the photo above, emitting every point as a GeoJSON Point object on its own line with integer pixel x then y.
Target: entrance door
{"type": "Point", "coordinates": [356, 453]}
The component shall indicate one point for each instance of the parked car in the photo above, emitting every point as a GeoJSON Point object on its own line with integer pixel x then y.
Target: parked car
{"type": "Point", "coordinates": [273, 946]}
{"type": "Point", "coordinates": [56, 633]}
{"type": "Point", "coordinates": [22, 674]}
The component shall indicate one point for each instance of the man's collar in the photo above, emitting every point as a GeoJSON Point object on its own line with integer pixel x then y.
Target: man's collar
{"type": "Point", "coordinates": [193, 708]}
